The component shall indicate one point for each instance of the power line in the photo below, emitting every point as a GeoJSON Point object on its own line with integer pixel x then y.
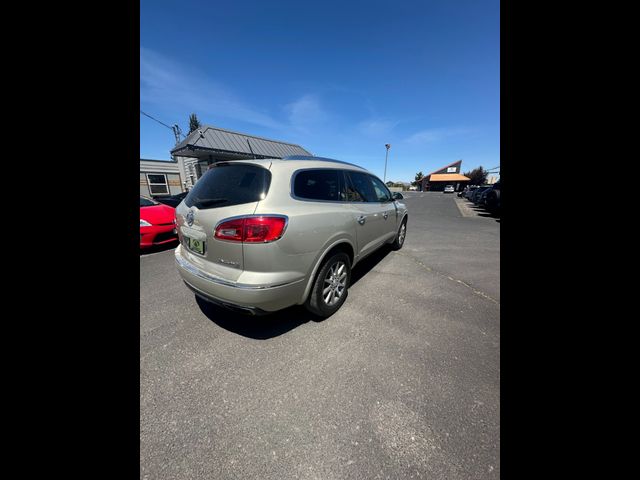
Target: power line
{"type": "Point", "coordinates": [161, 123]}
{"type": "Point", "coordinates": [175, 129]}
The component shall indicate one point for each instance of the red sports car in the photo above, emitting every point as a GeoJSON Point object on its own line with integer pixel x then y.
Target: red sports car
{"type": "Point", "coordinates": [157, 225]}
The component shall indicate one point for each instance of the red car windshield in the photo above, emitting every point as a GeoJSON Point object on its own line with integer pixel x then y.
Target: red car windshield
{"type": "Point", "coordinates": [147, 202]}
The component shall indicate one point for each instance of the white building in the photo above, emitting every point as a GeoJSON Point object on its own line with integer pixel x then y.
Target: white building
{"type": "Point", "coordinates": [160, 178]}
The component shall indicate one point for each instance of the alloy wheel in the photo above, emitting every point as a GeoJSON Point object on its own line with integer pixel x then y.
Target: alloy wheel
{"type": "Point", "coordinates": [335, 283]}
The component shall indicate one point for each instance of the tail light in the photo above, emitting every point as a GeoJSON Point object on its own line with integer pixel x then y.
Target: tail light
{"type": "Point", "coordinates": [259, 229]}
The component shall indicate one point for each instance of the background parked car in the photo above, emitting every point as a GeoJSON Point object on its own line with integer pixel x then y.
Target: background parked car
{"type": "Point", "coordinates": [483, 197]}
{"type": "Point", "coordinates": [470, 191]}
{"type": "Point", "coordinates": [173, 200]}
{"type": "Point", "coordinates": [157, 225]}
{"type": "Point", "coordinates": [492, 198]}
{"type": "Point", "coordinates": [475, 198]}
{"type": "Point", "coordinates": [448, 189]}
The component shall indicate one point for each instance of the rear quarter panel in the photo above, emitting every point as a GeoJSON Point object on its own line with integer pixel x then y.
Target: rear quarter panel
{"type": "Point", "coordinates": [312, 228]}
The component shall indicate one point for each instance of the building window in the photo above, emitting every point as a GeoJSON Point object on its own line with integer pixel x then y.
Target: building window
{"type": "Point", "coordinates": [158, 184]}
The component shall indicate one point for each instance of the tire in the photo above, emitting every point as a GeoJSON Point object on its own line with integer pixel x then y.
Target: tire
{"type": "Point", "coordinates": [337, 291]}
{"type": "Point", "coordinates": [400, 236]}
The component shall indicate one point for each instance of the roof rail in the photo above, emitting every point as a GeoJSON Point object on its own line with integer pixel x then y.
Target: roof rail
{"type": "Point", "coordinates": [318, 159]}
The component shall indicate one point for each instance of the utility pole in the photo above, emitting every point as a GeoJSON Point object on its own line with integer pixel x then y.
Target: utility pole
{"type": "Point", "coordinates": [388, 145]}
{"type": "Point", "coordinates": [177, 132]}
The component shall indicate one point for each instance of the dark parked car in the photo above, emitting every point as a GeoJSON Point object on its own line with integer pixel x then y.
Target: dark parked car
{"type": "Point", "coordinates": [475, 197]}
{"type": "Point", "coordinates": [470, 191]}
{"type": "Point", "coordinates": [173, 200]}
{"type": "Point", "coordinates": [492, 198]}
{"type": "Point", "coordinates": [482, 197]}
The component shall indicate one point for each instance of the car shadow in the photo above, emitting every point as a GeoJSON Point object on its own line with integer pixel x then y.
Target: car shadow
{"type": "Point", "coordinates": [483, 212]}
{"type": "Point", "coordinates": [260, 327]}
{"type": "Point", "coordinates": [272, 325]}
{"type": "Point", "coordinates": [159, 248]}
{"type": "Point", "coordinates": [486, 213]}
{"type": "Point", "coordinates": [365, 266]}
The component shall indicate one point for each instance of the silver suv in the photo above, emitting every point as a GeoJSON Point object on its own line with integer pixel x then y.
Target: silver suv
{"type": "Point", "coordinates": [260, 235]}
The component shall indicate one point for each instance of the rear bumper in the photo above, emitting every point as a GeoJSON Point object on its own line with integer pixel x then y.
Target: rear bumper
{"type": "Point", "coordinates": [222, 303]}
{"type": "Point", "coordinates": [157, 235]}
{"type": "Point", "coordinates": [249, 297]}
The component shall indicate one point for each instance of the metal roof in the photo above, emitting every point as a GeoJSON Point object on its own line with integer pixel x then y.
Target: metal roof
{"type": "Point", "coordinates": [209, 140]}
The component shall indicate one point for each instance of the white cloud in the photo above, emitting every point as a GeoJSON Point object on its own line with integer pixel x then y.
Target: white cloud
{"type": "Point", "coordinates": [434, 135]}
{"type": "Point", "coordinates": [169, 84]}
{"type": "Point", "coordinates": [306, 111]}
{"type": "Point", "coordinates": [376, 127]}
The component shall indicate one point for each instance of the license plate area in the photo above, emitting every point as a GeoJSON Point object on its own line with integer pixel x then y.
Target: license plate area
{"type": "Point", "coordinates": [195, 245]}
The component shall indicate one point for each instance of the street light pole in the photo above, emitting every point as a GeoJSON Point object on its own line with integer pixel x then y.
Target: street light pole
{"type": "Point", "coordinates": [388, 145]}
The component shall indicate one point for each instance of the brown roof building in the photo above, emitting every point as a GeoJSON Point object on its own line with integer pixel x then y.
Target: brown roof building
{"type": "Point", "coordinates": [447, 175]}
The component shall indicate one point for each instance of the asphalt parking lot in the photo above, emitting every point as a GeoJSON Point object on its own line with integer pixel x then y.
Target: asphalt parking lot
{"type": "Point", "coordinates": [402, 382]}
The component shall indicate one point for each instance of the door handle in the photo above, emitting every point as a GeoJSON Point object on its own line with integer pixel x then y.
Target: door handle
{"type": "Point", "coordinates": [386, 215]}
{"type": "Point", "coordinates": [362, 219]}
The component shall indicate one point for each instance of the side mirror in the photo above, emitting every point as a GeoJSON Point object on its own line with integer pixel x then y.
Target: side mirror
{"type": "Point", "coordinates": [396, 196]}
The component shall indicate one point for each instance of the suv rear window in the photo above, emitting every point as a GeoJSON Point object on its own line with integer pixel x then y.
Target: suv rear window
{"type": "Point", "coordinates": [317, 185]}
{"type": "Point", "coordinates": [230, 184]}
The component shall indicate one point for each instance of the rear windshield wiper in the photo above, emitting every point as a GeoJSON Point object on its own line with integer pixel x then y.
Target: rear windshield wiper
{"type": "Point", "coordinates": [209, 202]}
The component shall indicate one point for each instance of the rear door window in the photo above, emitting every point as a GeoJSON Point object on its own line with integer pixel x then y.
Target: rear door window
{"type": "Point", "coordinates": [318, 184]}
{"type": "Point", "coordinates": [230, 184]}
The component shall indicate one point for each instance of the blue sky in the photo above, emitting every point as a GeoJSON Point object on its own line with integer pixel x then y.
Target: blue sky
{"type": "Point", "coordinates": [339, 78]}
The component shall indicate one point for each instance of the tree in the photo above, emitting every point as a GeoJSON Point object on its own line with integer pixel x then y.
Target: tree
{"type": "Point", "coordinates": [390, 184]}
{"type": "Point", "coordinates": [418, 179]}
{"type": "Point", "coordinates": [194, 123]}
{"type": "Point", "coordinates": [477, 176]}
